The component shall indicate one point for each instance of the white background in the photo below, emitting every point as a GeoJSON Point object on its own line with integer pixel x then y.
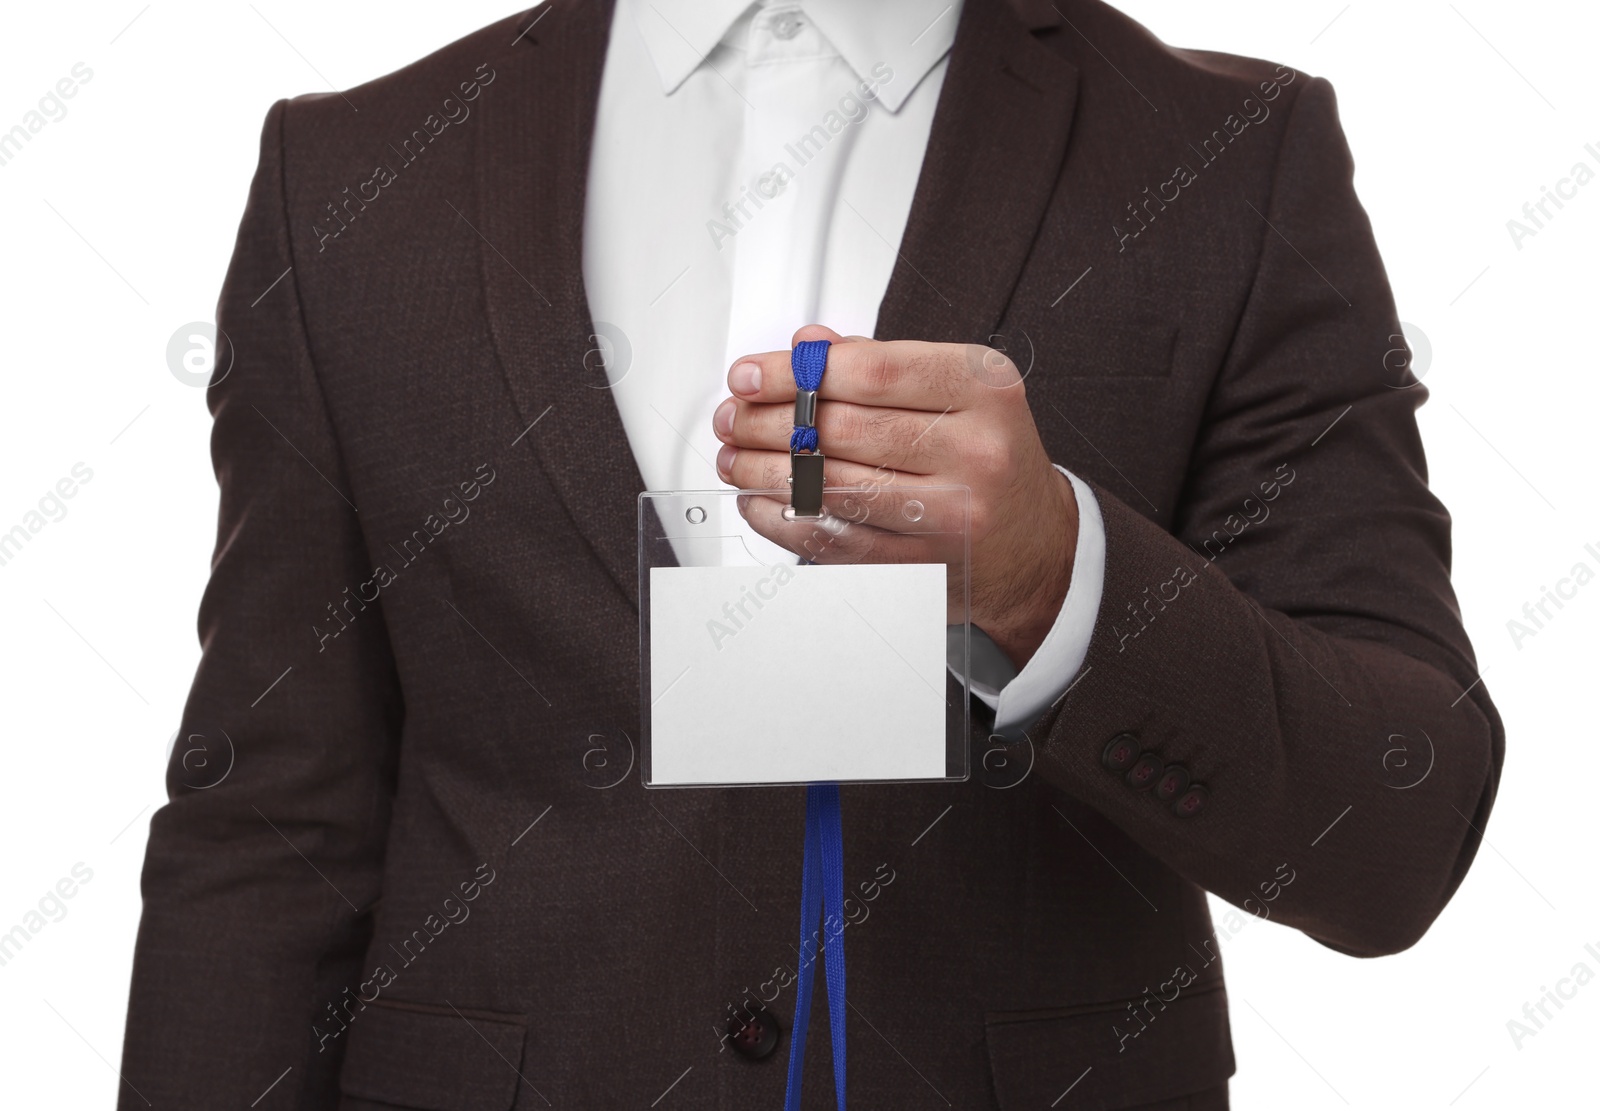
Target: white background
{"type": "Point", "coordinates": [118, 221]}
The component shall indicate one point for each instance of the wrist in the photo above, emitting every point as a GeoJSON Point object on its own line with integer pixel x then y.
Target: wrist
{"type": "Point", "coordinates": [1035, 596]}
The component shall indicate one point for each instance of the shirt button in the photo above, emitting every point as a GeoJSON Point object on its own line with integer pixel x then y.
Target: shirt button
{"type": "Point", "coordinates": [754, 1035]}
{"type": "Point", "coordinates": [787, 25]}
{"type": "Point", "coordinates": [770, 184]}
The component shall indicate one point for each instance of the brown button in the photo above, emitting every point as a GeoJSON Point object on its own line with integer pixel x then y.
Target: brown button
{"type": "Point", "coordinates": [753, 1035]}
{"type": "Point", "coordinates": [1142, 776]}
{"type": "Point", "coordinates": [1174, 781]}
{"type": "Point", "coordinates": [1192, 802]}
{"type": "Point", "coordinates": [1120, 753]}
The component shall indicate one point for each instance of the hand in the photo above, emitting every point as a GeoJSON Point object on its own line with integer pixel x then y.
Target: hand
{"type": "Point", "coordinates": [907, 414]}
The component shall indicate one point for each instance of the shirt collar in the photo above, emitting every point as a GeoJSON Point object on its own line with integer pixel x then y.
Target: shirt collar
{"type": "Point", "coordinates": [909, 36]}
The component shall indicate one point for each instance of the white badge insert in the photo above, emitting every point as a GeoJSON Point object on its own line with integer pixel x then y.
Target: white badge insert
{"type": "Point", "coordinates": [758, 670]}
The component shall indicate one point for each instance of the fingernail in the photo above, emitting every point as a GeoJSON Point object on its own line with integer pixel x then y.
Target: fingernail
{"type": "Point", "coordinates": [722, 419]}
{"type": "Point", "coordinates": [745, 378]}
{"type": "Point", "coordinates": [725, 460]}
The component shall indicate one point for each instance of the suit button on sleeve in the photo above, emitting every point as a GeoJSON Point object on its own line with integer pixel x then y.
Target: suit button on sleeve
{"type": "Point", "coordinates": [1173, 783]}
{"type": "Point", "coordinates": [1142, 776]}
{"type": "Point", "coordinates": [1120, 753]}
{"type": "Point", "coordinates": [1192, 801]}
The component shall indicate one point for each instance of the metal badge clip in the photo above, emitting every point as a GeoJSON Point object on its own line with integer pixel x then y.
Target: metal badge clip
{"type": "Point", "coordinates": [805, 483]}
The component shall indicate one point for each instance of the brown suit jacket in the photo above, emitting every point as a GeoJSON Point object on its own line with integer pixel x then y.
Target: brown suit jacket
{"type": "Point", "coordinates": [407, 859]}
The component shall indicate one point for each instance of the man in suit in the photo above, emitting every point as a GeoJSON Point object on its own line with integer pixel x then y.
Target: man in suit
{"type": "Point", "coordinates": [1124, 292]}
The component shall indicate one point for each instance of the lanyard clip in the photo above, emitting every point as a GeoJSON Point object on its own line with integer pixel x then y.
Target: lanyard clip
{"type": "Point", "coordinates": [805, 461]}
{"type": "Point", "coordinates": [805, 408]}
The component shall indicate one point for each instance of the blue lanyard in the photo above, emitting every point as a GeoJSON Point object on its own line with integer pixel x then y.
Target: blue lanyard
{"type": "Point", "coordinates": [822, 883]}
{"type": "Point", "coordinates": [822, 887]}
{"type": "Point", "coordinates": [808, 360]}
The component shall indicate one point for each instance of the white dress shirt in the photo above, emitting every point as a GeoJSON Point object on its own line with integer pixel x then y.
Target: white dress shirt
{"type": "Point", "coordinates": [752, 170]}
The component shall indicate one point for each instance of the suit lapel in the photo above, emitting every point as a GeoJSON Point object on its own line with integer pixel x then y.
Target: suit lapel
{"type": "Point", "coordinates": [994, 157]}
{"type": "Point", "coordinates": [533, 168]}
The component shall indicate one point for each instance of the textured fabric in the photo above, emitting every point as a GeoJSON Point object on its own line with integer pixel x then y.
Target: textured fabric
{"type": "Point", "coordinates": [435, 802]}
{"type": "Point", "coordinates": [810, 952]}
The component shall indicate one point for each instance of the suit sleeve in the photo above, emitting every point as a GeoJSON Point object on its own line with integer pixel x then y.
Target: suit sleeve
{"type": "Point", "coordinates": [1294, 644]}
{"type": "Point", "coordinates": [264, 863]}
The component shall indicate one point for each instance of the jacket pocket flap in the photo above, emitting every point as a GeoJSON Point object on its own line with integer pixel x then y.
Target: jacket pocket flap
{"type": "Point", "coordinates": [1107, 1056]}
{"type": "Point", "coordinates": [436, 1058]}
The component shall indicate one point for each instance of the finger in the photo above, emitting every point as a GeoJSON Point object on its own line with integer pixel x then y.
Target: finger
{"type": "Point", "coordinates": [755, 469]}
{"type": "Point", "coordinates": [910, 441]}
{"type": "Point", "coordinates": [748, 372]}
{"type": "Point", "coordinates": [819, 331]}
{"type": "Point", "coordinates": [831, 540]}
{"type": "Point", "coordinates": [902, 374]}
{"type": "Point", "coordinates": [875, 496]}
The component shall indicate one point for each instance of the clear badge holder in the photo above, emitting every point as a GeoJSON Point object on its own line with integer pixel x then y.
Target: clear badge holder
{"type": "Point", "coordinates": [778, 649]}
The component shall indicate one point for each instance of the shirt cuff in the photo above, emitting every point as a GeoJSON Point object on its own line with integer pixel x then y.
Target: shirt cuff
{"type": "Point", "coordinates": [1020, 698]}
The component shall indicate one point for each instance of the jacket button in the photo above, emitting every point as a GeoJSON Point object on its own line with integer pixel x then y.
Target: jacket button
{"type": "Point", "coordinates": [1142, 776]}
{"type": "Point", "coordinates": [1174, 781]}
{"type": "Point", "coordinates": [1192, 802]}
{"type": "Point", "coordinates": [1120, 753]}
{"type": "Point", "coordinates": [753, 1036]}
